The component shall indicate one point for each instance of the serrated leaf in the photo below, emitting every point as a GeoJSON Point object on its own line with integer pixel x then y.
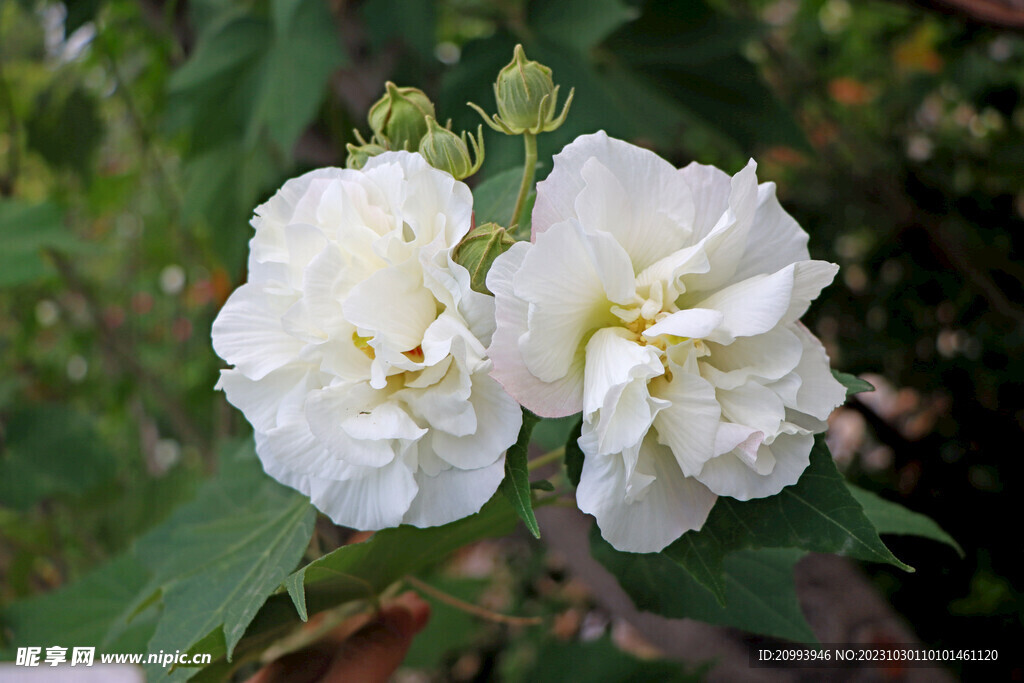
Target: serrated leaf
{"type": "Point", "coordinates": [853, 384]}
{"type": "Point", "coordinates": [892, 518]}
{"type": "Point", "coordinates": [516, 484]}
{"type": "Point", "coordinates": [50, 450]}
{"type": "Point", "coordinates": [363, 570]}
{"type": "Point", "coordinates": [218, 558]}
{"type": "Point", "coordinates": [818, 513]}
{"type": "Point", "coordinates": [760, 595]}
{"type": "Point", "coordinates": [574, 454]}
{"type": "Point", "coordinates": [95, 611]}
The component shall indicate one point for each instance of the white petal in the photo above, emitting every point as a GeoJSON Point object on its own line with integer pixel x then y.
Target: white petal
{"type": "Point", "coordinates": [694, 323]}
{"type": "Point", "coordinates": [453, 494]}
{"type": "Point", "coordinates": [612, 361]}
{"type": "Point", "coordinates": [571, 279]}
{"type": "Point", "coordinates": [498, 420]}
{"type": "Point", "coordinates": [638, 198]}
{"type": "Point", "coordinates": [689, 424]}
{"type": "Point", "coordinates": [672, 504]}
{"type": "Point", "coordinates": [726, 242]}
{"type": "Point", "coordinates": [752, 405]}
{"type": "Point", "coordinates": [262, 400]}
{"type": "Point", "coordinates": [548, 399]}
{"type": "Point", "coordinates": [819, 391]}
{"type": "Point", "coordinates": [248, 332]}
{"type": "Point", "coordinates": [644, 176]}
{"type": "Point", "coordinates": [393, 306]}
{"type": "Point", "coordinates": [710, 188]}
{"type": "Point", "coordinates": [729, 475]}
{"type": "Point", "coordinates": [376, 501]}
{"type": "Point", "coordinates": [751, 307]}
{"type": "Point", "coordinates": [775, 240]}
{"type": "Point", "coordinates": [343, 416]}
{"type": "Point", "coordinates": [768, 356]}
{"type": "Point", "coordinates": [809, 278]}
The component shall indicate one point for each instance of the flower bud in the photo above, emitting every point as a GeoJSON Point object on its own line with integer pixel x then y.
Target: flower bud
{"type": "Point", "coordinates": [399, 117]}
{"type": "Point", "coordinates": [526, 98]}
{"type": "Point", "coordinates": [358, 156]}
{"type": "Point", "coordinates": [447, 151]}
{"type": "Point", "coordinates": [477, 251]}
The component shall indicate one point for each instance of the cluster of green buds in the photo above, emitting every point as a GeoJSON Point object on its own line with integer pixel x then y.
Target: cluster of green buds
{"type": "Point", "coordinates": [526, 97]}
{"type": "Point", "coordinates": [404, 119]}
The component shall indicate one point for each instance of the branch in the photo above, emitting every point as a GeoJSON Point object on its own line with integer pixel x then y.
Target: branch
{"type": "Point", "coordinates": [1005, 14]}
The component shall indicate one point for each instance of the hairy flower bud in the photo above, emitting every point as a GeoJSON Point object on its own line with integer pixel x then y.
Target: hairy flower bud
{"type": "Point", "coordinates": [477, 251]}
{"type": "Point", "coordinates": [447, 151]}
{"type": "Point", "coordinates": [399, 118]}
{"type": "Point", "coordinates": [526, 97]}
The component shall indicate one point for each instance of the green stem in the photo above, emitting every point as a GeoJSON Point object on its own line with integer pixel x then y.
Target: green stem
{"type": "Point", "coordinates": [546, 459]}
{"type": "Point", "coordinates": [529, 168]}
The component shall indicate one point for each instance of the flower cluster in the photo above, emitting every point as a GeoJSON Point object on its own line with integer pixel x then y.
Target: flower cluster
{"type": "Point", "coordinates": [359, 347]}
{"type": "Point", "coordinates": [662, 304]}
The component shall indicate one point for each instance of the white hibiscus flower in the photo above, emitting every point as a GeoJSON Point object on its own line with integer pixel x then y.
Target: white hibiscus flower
{"type": "Point", "coordinates": [664, 305]}
{"type": "Point", "coordinates": [359, 348]}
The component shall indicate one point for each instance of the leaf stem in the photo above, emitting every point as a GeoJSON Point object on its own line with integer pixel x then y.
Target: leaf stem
{"type": "Point", "coordinates": [469, 607]}
{"type": "Point", "coordinates": [546, 459]}
{"type": "Point", "coordinates": [529, 169]}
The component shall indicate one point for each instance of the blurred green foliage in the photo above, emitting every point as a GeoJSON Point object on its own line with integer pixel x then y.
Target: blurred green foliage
{"type": "Point", "coordinates": [137, 135]}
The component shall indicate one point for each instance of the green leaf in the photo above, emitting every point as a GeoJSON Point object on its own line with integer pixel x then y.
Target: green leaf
{"type": "Point", "coordinates": [853, 384]}
{"type": "Point", "coordinates": [65, 128]}
{"type": "Point", "coordinates": [600, 661]}
{"type": "Point", "coordinates": [412, 22]}
{"type": "Point", "coordinates": [81, 614]}
{"type": "Point", "coordinates": [516, 484]}
{"type": "Point", "coordinates": [758, 586]}
{"type": "Point", "coordinates": [574, 454]}
{"type": "Point", "coordinates": [302, 56]}
{"type": "Point", "coordinates": [495, 198]}
{"type": "Point", "coordinates": [218, 558]}
{"type": "Point", "coordinates": [363, 570]}
{"type": "Point", "coordinates": [50, 450]}
{"type": "Point", "coordinates": [892, 518]}
{"type": "Point", "coordinates": [25, 231]}
{"type": "Point", "coordinates": [694, 54]}
{"type": "Point", "coordinates": [552, 432]}
{"type": "Point", "coordinates": [817, 513]}
{"type": "Point", "coordinates": [580, 24]}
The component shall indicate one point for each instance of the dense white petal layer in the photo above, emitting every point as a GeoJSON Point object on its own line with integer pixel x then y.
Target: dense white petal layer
{"type": "Point", "coordinates": [689, 423]}
{"type": "Point", "coordinates": [453, 494]}
{"type": "Point", "coordinates": [357, 340]}
{"type": "Point", "coordinates": [558, 398]}
{"type": "Point", "coordinates": [672, 504]}
{"type": "Point", "coordinates": [733, 475]}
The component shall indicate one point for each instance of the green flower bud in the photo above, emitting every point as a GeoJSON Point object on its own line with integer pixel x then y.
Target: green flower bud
{"type": "Point", "coordinates": [399, 117]}
{"type": "Point", "coordinates": [477, 251]}
{"type": "Point", "coordinates": [447, 151]}
{"type": "Point", "coordinates": [526, 98]}
{"type": "Point", "coordinates": [358, 156]}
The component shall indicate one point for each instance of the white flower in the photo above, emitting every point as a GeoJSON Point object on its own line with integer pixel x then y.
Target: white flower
{"type": "Point", "coordinates": [359, 347]}
{"type": "Point", "coordinates": [664, 305]}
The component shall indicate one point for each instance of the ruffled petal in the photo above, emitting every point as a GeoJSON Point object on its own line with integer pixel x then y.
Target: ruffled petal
{"type": "Point", "coordinates": [689, 423]}
{"type": "Point", "coordinates": [732, 474]}
{"type": "Point", "coordinates": [672, 504]}
{"type": "Point", "coordinates": [453, 494]}
{"type": "Point", "coordinates": [248, 333]}
{"type": "Point", "coordinates": [558, 398]}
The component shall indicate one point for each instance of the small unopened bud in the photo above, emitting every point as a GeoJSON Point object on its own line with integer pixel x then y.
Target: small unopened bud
{"type": "Point", "coordinates": [399, 118]}
{"type": "Point", "coordinates": [447, 151]}
{"type": "Point", "coordinates": [477, 251]}
{"type": "Point", "coordinates": [526, 97]}
{"type": "Point", "coordinates": [358, 156]}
